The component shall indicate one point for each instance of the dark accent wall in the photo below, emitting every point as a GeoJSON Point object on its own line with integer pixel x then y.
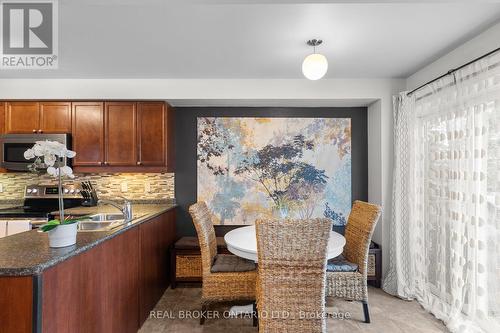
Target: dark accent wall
{"type": "Point", "coordinates": [186, 140]}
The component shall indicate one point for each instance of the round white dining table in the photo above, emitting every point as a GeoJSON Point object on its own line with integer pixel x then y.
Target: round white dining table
{"type": "Point", "coordinates": [243, 243]}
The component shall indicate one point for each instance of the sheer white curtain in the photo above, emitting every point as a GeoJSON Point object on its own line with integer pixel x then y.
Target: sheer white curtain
{"type": "Point", "coordinates": [400, 276]}
{"type": "Point", "coordinates": [445, 244]}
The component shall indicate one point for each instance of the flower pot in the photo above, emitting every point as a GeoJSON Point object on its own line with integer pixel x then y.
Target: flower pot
{"type": "Point", "coordinates": [63, 235]}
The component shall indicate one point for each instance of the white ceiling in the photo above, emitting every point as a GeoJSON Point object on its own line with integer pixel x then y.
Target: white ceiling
{"type": "Point", "coordinates": [257, 39]}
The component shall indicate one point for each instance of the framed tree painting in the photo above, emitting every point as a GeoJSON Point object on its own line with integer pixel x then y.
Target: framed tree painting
{"type": "Point", "coordinates": [250, 168]}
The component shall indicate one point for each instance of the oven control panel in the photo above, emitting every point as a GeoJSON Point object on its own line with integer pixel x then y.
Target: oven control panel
{"type": "Point", "coordinates": [52, 191]}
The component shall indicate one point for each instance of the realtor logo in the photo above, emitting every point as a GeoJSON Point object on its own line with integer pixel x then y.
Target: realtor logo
{"type": "Point", "coordinates": [29, 34]}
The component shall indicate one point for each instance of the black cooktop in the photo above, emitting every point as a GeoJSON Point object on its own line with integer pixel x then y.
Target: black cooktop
{"type": "Point", "coordinates": [37, 208]}
{"type": "Point", "coordinates": [24, 211]}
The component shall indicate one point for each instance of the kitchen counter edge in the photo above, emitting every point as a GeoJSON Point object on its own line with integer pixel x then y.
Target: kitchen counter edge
{"type": "Point", "coordinates": [50, 257]}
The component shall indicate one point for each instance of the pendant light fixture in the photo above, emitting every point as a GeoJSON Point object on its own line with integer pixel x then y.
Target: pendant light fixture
{"type": "Point", "coordinates": [315, 65]}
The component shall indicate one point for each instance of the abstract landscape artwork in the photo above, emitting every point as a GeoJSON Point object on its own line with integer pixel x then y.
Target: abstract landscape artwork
{"type": "Point", "coordinates": [250, 168]}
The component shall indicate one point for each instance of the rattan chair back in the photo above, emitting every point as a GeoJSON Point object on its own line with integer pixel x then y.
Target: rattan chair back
{"type": "Point", "coordinates": [291, 274]}
{"type": "Point", "coordinates": [202, 219]}
{"type": "Point", "coordinates": [359, 231]}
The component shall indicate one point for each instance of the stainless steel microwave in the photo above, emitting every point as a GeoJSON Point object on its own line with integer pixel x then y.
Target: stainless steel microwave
{"type": "Point", "coordinates": [13, 146]}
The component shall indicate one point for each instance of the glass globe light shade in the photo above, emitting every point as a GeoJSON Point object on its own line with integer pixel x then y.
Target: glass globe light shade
{"type": "Point", "coordinates": [314, 66]}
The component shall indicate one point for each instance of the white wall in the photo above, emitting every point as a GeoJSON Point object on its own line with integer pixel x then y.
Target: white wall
{"type": "Point", "coordinates": [375, 164]}
{"type": "Point", "coordinates": [186, 90]}
{"type": "Point", "coordinates": [474, 48]}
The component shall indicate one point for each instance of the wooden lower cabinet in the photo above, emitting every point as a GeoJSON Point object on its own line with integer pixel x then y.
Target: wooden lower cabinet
{"type": "Point", "coordinates": [109, 288]}
{"type": "Point", "coordinates": [159, 233]}
{"type": "Point", "coordinates": [96, 291]}
{"type": "Point", "coordinates": [16, 304]}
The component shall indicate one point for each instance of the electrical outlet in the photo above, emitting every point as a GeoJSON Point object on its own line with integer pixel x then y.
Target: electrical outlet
{"type": "Point", "coordinates": [147, 187]}
{"type": "Point", "coordinates": [124, 186]}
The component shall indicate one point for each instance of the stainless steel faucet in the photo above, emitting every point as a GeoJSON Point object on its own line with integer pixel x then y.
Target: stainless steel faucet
{"type": "Point", "coordinates": [126, 208]}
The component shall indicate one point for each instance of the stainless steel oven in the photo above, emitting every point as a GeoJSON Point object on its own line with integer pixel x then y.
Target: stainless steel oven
{"type": "Point", "coordinates": [13, 146]}
{"type": "Point", "coordinates": [40, 200]}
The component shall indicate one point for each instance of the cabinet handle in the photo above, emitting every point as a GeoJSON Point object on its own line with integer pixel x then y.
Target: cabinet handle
{"type": "Point", "coordinates": [100, 163]}
{"type": "Point", "coordinates": [34, 131]}
{"type": "Point", "coordinates": [40, 131]}
{"type": "Point", "coordinates": [139, 163]}
{"type": "Point", "coordinates": [105, 163]}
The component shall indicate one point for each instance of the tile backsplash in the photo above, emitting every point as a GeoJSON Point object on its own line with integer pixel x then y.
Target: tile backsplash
{"type": "Point", "coordinates": [134, 186]}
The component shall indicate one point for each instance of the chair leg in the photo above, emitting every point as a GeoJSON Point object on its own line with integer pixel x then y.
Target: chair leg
{"type": "Point", "coordinates": [203, 313]}
{"type": "Point", "coordinates": [255, 315]}
{"type": "Point", "coordinates": [366, 312]}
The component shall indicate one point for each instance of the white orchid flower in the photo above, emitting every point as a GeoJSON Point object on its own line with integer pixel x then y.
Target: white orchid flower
{"type": "Point", "coordinates": [67, 171]}
{"type": "Point", "coordinates": [70, 154]}
{"type": "Point", "coordinates": [51, 147]}
{"type": "Point", "coordinates": [29, 154]}
{"type": "Point", "coordinates": [52, 171]}
{"type": "Point", "coordinates": [49, 159]}
{"type": "Point", "coordinates": [38, 150]}
{"type": "Point", "coordinates": [49, 152]}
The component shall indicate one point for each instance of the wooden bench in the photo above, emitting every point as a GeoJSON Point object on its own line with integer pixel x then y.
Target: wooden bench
{"type": "Point", "coordinates": [374, 274]}
{"type": "Point", "coordinates": [186, 261]}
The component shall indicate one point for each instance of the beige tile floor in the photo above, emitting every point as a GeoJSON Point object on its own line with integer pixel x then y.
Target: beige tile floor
{"type": "Point", "coordinates": [388, 314]}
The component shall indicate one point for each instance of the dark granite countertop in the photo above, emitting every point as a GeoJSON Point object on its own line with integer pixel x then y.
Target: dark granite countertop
{"type": "Point", "coordinates": [28, 253]}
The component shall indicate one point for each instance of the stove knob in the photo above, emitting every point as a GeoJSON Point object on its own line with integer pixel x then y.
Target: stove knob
{"type": "Point", "coordinates": [77, 190]}
{"type": "Point", "coordinates": [28, 190]}
{"type": "Point", "coordinates": [34, 190]}
{"type": "Point", "coordinates": [66, 191]}
{"type": "Point", "coordinates": [72, 191]}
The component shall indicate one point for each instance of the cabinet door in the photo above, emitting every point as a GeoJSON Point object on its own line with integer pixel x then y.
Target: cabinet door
{"type": "Point", "coordinates": [88, 133]}
{"type": "Point", "coordinates": [95, 291]}
{"type": "Point", "coordinates": [55, 117]}
{"type": "Point", "coordinates": [156, 237]}
{"type": "Point", "coordinates": [151, 129]}
{"type": "Point", "coordinates": [120, 131]}
{"type": "Point", "coordinates": [170, 137]}
{"type": "Point", "coordinates": [22, 117]}
{"type": "Point", "coordinates": [2, 117]}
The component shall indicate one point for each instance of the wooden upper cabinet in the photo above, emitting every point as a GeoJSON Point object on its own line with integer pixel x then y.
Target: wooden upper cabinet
{"type": "Point", "coordinates": [151, 130]}
{"type": "Point", "coordinates": [22, 117]}
{"type": "Point", "coordinates": [170, 137]}
{"type": "Point", "coordinates": [88, 133]}
{"type": "Point", "coordinates": [2, 117]}
{"type": "Point", "coordinates": [38, 117]}
{"type": "Point", "coordinates": [55, 117]}
{"type": "Point", "coordinates": [126, 136]}
{"type": "Point", "coordinates": [2, 124]}
{"type": "Point", "coordinates": [120, 131]}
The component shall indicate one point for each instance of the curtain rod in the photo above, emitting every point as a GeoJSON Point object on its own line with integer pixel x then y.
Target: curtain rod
{"type": "Point", "coordinates": [451, 71]}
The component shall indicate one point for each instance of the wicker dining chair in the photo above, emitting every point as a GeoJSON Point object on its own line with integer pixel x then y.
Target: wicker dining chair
{"type": "Point", "coordinates": [346, 275]}
{"type": "Point", "coordinates": [225, 277]}
{"type": "Point", "coordinates": [291, 275]}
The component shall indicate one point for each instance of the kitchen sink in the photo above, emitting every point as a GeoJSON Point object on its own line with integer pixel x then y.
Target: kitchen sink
{"type": "Point", "coordinates": [103, 222]}
{"type": "Point", "coordinates": [97, 226]}
{"type": "Point", "coordinates": [105, 217]}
